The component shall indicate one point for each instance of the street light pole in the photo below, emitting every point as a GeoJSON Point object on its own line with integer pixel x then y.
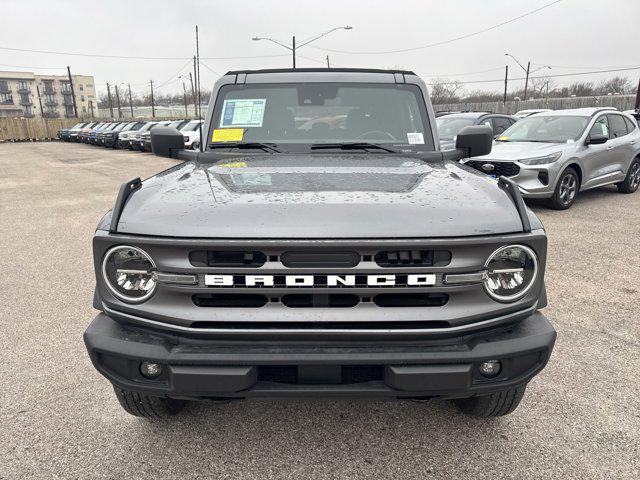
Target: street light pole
{"type": "Point", "coordinates": [293, 50]}
{"type": "Point", "coordinates": [294, 46]}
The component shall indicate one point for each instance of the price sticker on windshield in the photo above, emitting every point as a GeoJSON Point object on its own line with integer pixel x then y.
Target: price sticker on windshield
{"type": "Point", "coordinates": [243, 112]}
{"type": "Point", "coordinates": [227, 135]}
{"type": "Point", "coordinates": [415, 138]}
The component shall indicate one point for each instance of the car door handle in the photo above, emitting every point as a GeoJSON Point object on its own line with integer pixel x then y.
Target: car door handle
{"type": "Point", "coordinates": [632, 142]}
{"type": "Point", "coordinates": [610, 147]}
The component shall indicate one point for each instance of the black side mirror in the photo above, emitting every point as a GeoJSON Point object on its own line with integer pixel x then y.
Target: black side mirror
{"type": "Point", "coordinates": [596, 139]}
{"type": "Point", "coordinates": [166, 141]}
{"type": "Point", "coordinates": [475, 140]}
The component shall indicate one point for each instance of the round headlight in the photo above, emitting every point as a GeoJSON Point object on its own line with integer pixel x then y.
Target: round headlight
{"type": "Point", "coordinates": [510, 272]}
{"type": "Point", "coordinates": [128, 272]}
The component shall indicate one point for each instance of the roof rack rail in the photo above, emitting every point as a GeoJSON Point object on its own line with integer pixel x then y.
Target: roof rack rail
{"type": "Point", "coordinates": [126, 189]}
{"type": "Point", "coordinates": [514, 192]}
{"type": "Point", "coordinates": [604, 109]}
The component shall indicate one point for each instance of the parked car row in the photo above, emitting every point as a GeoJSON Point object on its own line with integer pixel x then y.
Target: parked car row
{"type": "Point", "coordinates": [556, 154]}
{"type": "Point", "coordinates": [132, 135]}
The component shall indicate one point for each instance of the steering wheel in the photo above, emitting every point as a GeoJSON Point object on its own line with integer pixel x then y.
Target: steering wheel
{"type": "Point", "coordinates": [372, 132]}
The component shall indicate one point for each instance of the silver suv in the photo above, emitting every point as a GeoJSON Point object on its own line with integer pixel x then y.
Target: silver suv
{"type": "Point", "coordinates": [556, 154]}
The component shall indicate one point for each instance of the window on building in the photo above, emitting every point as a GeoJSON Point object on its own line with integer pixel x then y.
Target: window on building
{"type": "Point", "coordinates": [66, 87]}
{"type": "Point", "coordinates": [68, 110]}
{"type": "Point", "coordinates": [48, 86]}
{"type": "Point", "coordinates": [22, 85]}
{"type": "Point", "coordinates": [24, 98]}
{"type": "Point", "coordinates": [6, 98]}
{"type": "Point", "coordinates": [81, 87]}
{"type": "Point", "coordinates": [28, 110]}
{"type": "Point", "coordinates": [50, 99]}
{"type": "Point", "coordinates": [50, 109]}
{"type": "Point", "coordinates": [84, 109]}
{"type": "Point", "coordinates": [4, 86]}
{"type": "Point", "coordinates": [81, 97]}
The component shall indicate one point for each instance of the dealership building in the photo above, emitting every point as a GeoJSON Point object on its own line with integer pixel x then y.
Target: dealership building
{"type": "Point", "coordinates": [25, 94]}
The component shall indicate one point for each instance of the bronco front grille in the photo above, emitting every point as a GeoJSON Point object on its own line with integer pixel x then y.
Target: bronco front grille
{"type": "Point", "coordinates": [506, 169]}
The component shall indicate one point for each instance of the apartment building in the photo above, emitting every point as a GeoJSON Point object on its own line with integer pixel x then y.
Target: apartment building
{"type": "Point", "coordinates": [25, 94]}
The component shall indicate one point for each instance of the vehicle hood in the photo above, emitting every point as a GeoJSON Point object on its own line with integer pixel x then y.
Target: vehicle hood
{"type": "Point", "coordinates": [514, 151]}
{"type": "Point", "coordinates": [447, 144]}
{"type": "Point", "coordinates": [319, 196]}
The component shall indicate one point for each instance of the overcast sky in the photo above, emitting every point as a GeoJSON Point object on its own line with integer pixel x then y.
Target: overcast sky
{"type": "Point", "coordinates": [572, 36]}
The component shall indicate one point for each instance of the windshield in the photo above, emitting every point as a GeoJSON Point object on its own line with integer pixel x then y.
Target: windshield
{"type": "Point", "coordinates": [191, 126]}
{"type": "Point", "coordinates": [147, 126]}
{"type": "Point", "coordinates": [304, 114]}
{"type": "Point", "coordinates": [449, 127]}
{"type": "Point", "coordinates": [546, 128]}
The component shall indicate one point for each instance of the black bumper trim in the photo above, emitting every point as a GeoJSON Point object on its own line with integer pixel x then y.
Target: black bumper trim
{"type": "Point", "coordinates": [215, 368]}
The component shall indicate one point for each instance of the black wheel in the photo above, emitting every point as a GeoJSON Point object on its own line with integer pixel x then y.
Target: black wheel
{"type": "Point", "coordinates": [195, 146]}
{"type": "Point", "coordinates": [566, 190]}
{"type": "Point", "coordinates": [494, 405]}
{"type": "Point", "coordinates": [141, 405]}
{"type": "Point", "coordinates": [632, 180]}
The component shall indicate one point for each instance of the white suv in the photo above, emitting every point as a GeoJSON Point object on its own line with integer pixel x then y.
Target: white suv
{"type": "Point", "coordinates": [191, 134]}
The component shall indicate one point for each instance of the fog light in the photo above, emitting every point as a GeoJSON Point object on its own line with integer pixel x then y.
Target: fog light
{"type": "Point", "coordinates": [490, 368]}
{"type": "Point", "coordinates": [150, 370]}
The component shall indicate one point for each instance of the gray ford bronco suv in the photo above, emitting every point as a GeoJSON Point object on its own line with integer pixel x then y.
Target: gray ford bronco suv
{"type": "Point", "coordinates": [320, 244]}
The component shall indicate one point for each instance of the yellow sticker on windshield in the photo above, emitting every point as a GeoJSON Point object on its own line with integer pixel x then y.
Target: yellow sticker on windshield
{"type": "Point", "coordinates": [233, 165]}
{"type": "Point", "coordinates": [227, 135]}
{"type": "Point", "coordinates": [503, 139]}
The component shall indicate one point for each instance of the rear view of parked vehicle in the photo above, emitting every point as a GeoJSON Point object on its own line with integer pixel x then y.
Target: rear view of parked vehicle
{"type": "Point", "coordinates": [554, 155]}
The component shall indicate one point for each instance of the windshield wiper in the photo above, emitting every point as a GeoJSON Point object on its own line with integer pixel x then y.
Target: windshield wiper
{"type": "Point", "coordinates": [267, 147]}
{"type": "Point", "coordinates": [351, 146]}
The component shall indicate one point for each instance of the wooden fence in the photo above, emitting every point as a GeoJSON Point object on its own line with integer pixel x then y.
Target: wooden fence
{"type": "Point", "coordinates": [621, 102]}
{"type": "Point", "coordinates": [32, 129]}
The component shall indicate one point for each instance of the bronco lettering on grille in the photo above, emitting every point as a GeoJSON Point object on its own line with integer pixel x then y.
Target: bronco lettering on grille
{"type": "Point", "coordinates": [408, 280]}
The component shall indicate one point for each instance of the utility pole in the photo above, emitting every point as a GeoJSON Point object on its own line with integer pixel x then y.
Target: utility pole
{"type": "Point", "coordinates": [130, 101]}
{"type": "Point", "coordinates": [73, 94]}
{"type": "Point", "coordinates": [526, 82]}
{"type": "Point", "coordinates": [118, 103]}
{"type": "Point", "coordinates": [638, 98]}
{"type": "Point", "coordinates": [184, 89]}
{"type": "Point", "coordinates": [199, 92]}
{"type": "Point", "coordinates": [506, 78]}
{"type": "Point", "coordinates": [109, 97]}
{"type": "Point", "coordinates": [547, 94]}
{"type": "Point", "coordinates": [328, 65]}
{"type": "Point", "coordinates": [39, 100]}
{"type": "Point", "coordinates": [153, 107]}
{"type": "Point", "coordinates": [91, 108]}
{"type": "Point", "coordinates": [293, 50]}
{"type": "Point", "coordinates": [193, 90]}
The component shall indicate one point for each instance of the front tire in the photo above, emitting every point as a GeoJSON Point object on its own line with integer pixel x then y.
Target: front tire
{"type": "Point", "coordinates": [142, 405]}
{"type": "Point", "coordinates": [632, 181]}
{"type": "Point", "coordinates": [566, 190]}
{"type": "Point", "coordinates": [494, 405]}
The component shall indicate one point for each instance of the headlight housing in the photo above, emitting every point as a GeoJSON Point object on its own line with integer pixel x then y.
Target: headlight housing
{"type": "Point", "coordinates": [128, 273]}
{"type": "Point", "coordinates": [541, 160]}
{"type": "Point", "coordinates": [510, 272]}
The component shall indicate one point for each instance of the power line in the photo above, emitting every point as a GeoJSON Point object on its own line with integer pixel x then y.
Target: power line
{"type": "Point", "coordinates": [463, 74]}
{"type": "Point", "coordinates": [444, 42]}
{"type": "Point", "coordinates": [553, 76]}
{"type": "Point", "coordinates": [130, 57]}
{"type": "Point", "coordinates": [34, 68]}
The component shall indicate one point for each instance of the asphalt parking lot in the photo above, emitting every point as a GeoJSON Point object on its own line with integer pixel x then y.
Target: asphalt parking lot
{"type": "Point", "coordinates": [59, 417]}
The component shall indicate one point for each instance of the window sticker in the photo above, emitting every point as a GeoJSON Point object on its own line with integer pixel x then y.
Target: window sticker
{"type": "Point", "coordinates": [503, 138]}
{"type": "Point", "coordinates": [227, 135]}
{"type": "Point", "coordinates": [243, 112]}
{"type": "Point", "coordinates": [415, 138]}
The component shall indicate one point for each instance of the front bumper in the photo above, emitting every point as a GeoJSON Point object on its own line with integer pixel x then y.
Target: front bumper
{"type": "Point", "coordinates": [206, 368]}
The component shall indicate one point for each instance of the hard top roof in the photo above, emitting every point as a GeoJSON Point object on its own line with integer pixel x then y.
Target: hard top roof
{"type": "Point", "coordinates": [320, 70]}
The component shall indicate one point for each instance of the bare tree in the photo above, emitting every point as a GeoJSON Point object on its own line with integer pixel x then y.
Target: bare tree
{"type": "Point", "coordinates": [443, 90]}
{"type": "Point", "coordinates": [538, 87]}
{"type": "Point", "coordinates": [615, 85]}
